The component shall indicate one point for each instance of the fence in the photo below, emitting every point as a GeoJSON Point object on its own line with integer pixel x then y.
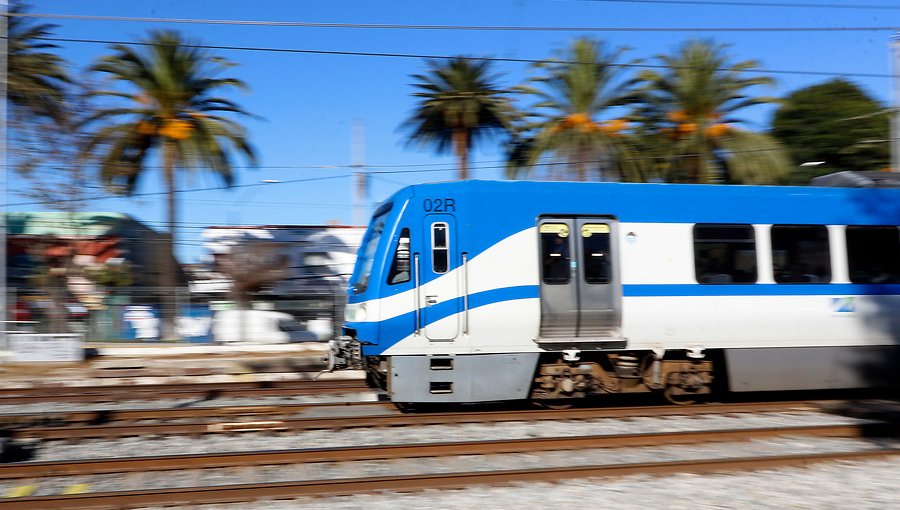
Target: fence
{"type": "Point", "coordinates": [134, 314]}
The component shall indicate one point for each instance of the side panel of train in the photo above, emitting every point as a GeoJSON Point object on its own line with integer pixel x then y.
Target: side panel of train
{"type": "Point", "coordinates": [480, 291]}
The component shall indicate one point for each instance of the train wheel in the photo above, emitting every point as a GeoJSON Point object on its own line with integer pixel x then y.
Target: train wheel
{"type": "Point", "coordinates": [681, 399]}
{"type": "Point", "coordinates": [554, 404]}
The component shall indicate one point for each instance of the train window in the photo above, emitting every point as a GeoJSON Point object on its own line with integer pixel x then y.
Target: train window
{"type": "Point", "coordinates": [873, 254]}
{"type": "Point", "coordinates": [555, 255]}
{"type": "Point", "coordinates": [595, 256]}
{"type": "Point", "coordinates": [440, 248]}
{"type": "Point", "coordinates": [400, 266]}
{"type": "Point", "coordinates": [366, 258]}
{"type": "Point", "coordinates": [800, 254]}
{"type": "Point", "coordinates": [724, 253]}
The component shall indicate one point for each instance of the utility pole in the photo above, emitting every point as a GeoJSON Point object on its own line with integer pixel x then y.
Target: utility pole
{"type": "Point", "coordinates": [357, 163]}
{"type": "Point", "coordinates": [895, 103]}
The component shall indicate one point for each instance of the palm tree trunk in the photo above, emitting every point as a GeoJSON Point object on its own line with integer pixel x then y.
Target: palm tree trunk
{"type": "Point", "coordinates": [581, 164]}
{"type": "Point", "coordinates": [705, 170]}
{"type": "Point", "coordinates": [461, 148]}
{"type": "Point", "coordinates": [169, 269]}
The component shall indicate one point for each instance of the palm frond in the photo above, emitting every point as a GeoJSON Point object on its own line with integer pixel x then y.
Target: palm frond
{"type": "Point", "coordinates": [588, 83]}
{"type": "Point", "coordinates": [459, 105]}
{"type": "Point", "coordinates": [691, 108]}
{"type": "Point", "coordinates": [36, 79]}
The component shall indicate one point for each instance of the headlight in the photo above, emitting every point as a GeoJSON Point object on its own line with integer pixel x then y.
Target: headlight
{"type": "Point", "coordinates": [355, 313]}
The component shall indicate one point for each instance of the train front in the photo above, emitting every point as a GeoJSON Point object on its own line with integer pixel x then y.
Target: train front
{"type": "Point", "coordinates": [383, 259]}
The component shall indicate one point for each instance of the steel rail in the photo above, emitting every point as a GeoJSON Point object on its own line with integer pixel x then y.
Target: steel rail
{"type": "Point", "coordinates": [343, 422]}
{"type": "Point", "coordinates": [106, 416]}
{"type": "Point", "coordinates": [382, 452]}
{"type": "Point", "coordinates": [41, 394]}
{"type": "Point", "coordinates": [239, 493]}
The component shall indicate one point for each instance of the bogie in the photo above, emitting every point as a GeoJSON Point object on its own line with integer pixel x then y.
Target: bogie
{"type": "Point", "coordinates": [559, 379]}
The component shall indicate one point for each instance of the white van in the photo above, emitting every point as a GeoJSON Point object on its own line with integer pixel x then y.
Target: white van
{"type": "Point", "coordinates": [258, 327]}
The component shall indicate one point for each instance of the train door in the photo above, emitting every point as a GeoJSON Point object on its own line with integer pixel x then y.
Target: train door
{"type": "Point", "coordinates": [580, 288]}
{"type": "Point", "coordinates": [439, 295]}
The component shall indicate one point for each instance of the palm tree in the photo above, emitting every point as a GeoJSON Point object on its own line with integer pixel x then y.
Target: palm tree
{"type": "Point", "coordinates": [36, 78]}
{"type": "Point", "coordinates": [459, 105]}
{"type": "Point", "coordinates": [690, 106]}
{"type": "Point", "coordinates": [170, 105]}
{"type": "Point", "coordinates": [578, 89]}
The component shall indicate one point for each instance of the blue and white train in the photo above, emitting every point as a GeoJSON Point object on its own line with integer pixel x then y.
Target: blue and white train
{"type": "Point", "coordinates": [485, 291]}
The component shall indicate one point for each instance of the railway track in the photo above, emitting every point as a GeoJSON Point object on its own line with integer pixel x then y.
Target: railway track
{"type": "Point", "coordinates": [46, 394]}
{"type": "Point", "coordinates": [126, 416]}
{"type": "Point", "coordinates": [243, 492]}
{"type": "Point", "coordinates": [283, 418]}
{"type": "Point", "coordinates": [357, 454]}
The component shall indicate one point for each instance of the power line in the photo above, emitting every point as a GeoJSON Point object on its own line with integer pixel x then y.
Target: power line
{"type": "Point", "coordinates": [75, 225]}
{"type": "Point", "coordinates": [378, 173]}
{"type": "Point", "coordinates": [754, 4]}
{"type": "Point", "coordinates": [194, 190]}
{"type": "Point", "coordinates": [311, 167]}
{"type": "Point", "coordinates": [444, 57]}
{"type": "Point", "coordinates": [267, 203]}
{"type": "Point", "coordinates": [482, 28]}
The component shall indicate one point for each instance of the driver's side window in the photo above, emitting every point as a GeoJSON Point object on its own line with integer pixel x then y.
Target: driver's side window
{"type": "Point", "coordinates": [400, 267]}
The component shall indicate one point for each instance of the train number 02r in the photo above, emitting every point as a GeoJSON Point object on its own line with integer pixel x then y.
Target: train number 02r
{"type": "Point", "coordinates": [446, 205]}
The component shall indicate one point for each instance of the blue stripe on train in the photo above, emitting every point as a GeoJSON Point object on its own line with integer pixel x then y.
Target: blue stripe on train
{"type": "Point", "coordinates": [393, 330]}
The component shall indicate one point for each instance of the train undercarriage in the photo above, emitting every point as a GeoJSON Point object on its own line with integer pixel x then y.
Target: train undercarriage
{"type": "Point", "coordinates": [682, 378]}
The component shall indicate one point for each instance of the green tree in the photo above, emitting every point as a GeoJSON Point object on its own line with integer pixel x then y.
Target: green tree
{"type": "Point", "coordinates": [577, 89]}
{"type": "Point", "coordinates": [43, 107]}
{"type": "Point", "coordinates": [835, 122]}
{"type": "Point", "coordinates": [459, 104]}
{"type": "Point", "coordinates": [170, 107]}
{"type": "Point", "coordinates": [36, 78]}
{"type": "Point", "coordinates": [39, 91]}
{"type": "Point", "coordinates": [691, 107]}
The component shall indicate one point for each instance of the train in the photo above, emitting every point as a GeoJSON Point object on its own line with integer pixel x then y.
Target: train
{"type": "Point", "coordinates": [484, 291]}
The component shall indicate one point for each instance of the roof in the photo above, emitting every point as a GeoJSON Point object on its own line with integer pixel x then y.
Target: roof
{"type": "Point", "coordinates": [65, 224]}
{"type": "Point", "coordinates": [281, 227]}
{"type": "Point", "coordinates": [858, 180]}
{"type": "Point", "coordinates": [522, 201]}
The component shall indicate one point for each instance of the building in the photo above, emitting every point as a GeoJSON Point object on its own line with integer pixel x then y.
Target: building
{"type": "Point", "coordinates": [303, 257]}
{"type": "Point", "coordinates": [80, 271]}
{"type": "Point", "coordinates": [849, 179]}
{"type": "Point", "coordinates": [300, 269]}
{"type": "Point", "coordinates": [79, 244]}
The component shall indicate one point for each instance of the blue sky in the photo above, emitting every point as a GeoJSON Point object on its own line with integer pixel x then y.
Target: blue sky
{"type": "Point", "coordinates": [308, 103]}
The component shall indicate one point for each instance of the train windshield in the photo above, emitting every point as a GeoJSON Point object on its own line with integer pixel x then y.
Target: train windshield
{"type": "Point", "coordinates": [367, 250]}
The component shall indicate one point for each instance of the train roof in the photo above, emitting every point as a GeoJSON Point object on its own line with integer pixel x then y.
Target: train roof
{"type": "Point", "coordinates": [674, 203]}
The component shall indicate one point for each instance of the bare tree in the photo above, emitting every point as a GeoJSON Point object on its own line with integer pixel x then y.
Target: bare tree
{"type": "Point", "coordinates": [252, 266]}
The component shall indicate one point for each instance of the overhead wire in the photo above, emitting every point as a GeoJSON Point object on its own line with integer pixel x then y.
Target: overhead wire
{"type": "Point", "coordinates": [445, 57]}
{"type": "Point", "coordinates": [406, 26]}
{"type": "Point", "coordinates": [495, 165]}
{"type": "Point", "coordinates": [745, 3]}
{"type": "Point", "coordinates": [193, 190]}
